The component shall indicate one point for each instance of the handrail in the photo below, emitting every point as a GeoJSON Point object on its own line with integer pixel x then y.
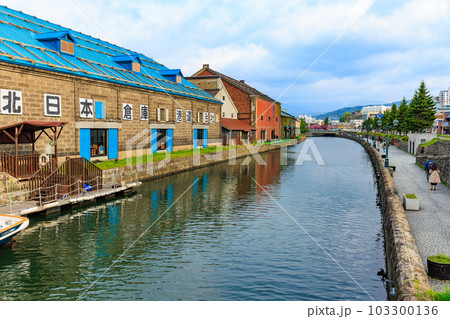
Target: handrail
{"type": "Point", "coordinates": [72, 171]}
{"type": "Point", "coordinates": [23, 166]}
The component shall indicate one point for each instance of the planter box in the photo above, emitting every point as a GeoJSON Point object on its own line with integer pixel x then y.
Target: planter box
{"type": "Point", "coordinates": [438, 270]}
{"type": "Point", "coordinates": [410, 203]}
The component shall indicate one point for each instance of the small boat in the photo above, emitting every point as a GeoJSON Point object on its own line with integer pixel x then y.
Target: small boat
{"type": "Point", "coordinates": [9, 226]}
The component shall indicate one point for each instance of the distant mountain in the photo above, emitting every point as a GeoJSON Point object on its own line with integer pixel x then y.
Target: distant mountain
{"type": "Point", "coordinates": [335, 115]}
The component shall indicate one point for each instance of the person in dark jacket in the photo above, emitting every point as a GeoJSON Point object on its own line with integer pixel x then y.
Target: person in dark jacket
{"type": "Point", "coordinates": [427, 167]}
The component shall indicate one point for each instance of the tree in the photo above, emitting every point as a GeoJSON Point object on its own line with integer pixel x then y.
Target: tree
{"type": "Point", "coordinates": [386, 118]}
{"type": "Point", "coordinates": [367, 124]}
{"type": "Point", "coordinates": [393, 114]}
{"type": "Point", "coordinates": [422, 113]}
{"type": "Point", "coordinates": [347, 116]}
{"type": "Point", "coordinates": [326, 121]}
{"type": "Point", "coordinates": [303, 126]}
{"type": "Point", "coordinates": [402, 116]}
{"type": "Point", "coordinates": [342, 119]}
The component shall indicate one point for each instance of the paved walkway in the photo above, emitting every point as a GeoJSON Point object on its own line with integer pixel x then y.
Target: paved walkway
{"type": "Point", "coordinates": [431, 224]}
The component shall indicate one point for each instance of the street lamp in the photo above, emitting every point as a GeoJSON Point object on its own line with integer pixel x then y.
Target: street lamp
{"type": "Point", "coordinates": [386, 160]}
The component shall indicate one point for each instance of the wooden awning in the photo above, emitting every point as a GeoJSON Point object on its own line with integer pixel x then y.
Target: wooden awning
{"type": "Point", "coordinates": [25, 131]}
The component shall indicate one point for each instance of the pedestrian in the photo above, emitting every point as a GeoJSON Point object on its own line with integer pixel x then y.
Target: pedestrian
{"type": "Point", "coordinates": [384, 147]}
{"type": "Point", "coordinates": [427, 167]}
{"type": "Point", "coordinates": [434, 177]}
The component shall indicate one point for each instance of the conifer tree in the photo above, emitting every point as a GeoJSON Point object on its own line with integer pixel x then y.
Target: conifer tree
{"type": "Point", "coordinates": [402, 120]}
{"type": "Point", "coordinates": [421, 113]}
{"type": "Point", "coordinates": [393, 114]}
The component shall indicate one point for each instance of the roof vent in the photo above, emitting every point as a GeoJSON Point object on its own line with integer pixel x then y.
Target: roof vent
{"type": "Point", "coordinates": [206, 66]}
{"type": "Point", "coordinates": [242, 81]}
{"type": "Point", "coordinates": [61, 41]}
{"type": "Point", "coordinates": [174, 75]}
{"type": "Point", "coordinates": [129, 62]}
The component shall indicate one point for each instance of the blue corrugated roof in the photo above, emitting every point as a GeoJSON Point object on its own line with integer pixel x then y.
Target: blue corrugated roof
{"type": "Point", "coordinates": [20, 36]}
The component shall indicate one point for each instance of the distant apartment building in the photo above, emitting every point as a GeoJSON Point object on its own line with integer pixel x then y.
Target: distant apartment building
{"type": "Point", "coordinates": [444, 97]}
{"type": "Point", "coordinates": [372, 111]}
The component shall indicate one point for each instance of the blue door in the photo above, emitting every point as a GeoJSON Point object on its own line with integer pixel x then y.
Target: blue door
{"type": "Point", "coordinates": [205, 138]}
{"type": "Point", "coordinates": [154, 140]}
{"type": "Point", "coordinates": [113, 142]}
{"type": "Point", "coordinates": [195, 138]}
{"type": "Point", "coordinates": [169, 140]}
{"type": "Point", "coordinates": [85, 143]}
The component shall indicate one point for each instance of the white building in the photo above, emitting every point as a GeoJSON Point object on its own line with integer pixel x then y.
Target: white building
{"type": "Point", "coordinates": [444, 97]}
{"type": "Point", "coordinates": [372, 111]}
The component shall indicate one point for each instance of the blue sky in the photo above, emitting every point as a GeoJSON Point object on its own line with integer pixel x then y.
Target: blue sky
{"type": "Point", "coordinates": [269, 43]}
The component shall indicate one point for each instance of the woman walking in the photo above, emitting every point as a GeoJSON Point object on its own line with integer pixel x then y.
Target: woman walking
{"type": "Point", "coordinates": [434, 176]}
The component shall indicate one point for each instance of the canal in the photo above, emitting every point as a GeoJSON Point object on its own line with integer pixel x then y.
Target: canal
{"type": "Point", "coordinates": [224, 232]}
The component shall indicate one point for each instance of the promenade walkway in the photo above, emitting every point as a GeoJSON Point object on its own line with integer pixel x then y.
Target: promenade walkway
{"type": "Point", "coordinates": [431, 224]}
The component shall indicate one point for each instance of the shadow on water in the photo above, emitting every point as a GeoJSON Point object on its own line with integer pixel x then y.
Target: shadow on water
{"type": "Point", "coordinates": [222, 239]}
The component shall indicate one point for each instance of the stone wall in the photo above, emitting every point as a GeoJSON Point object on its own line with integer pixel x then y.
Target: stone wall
{"type": "Point", "coordinates": [439, 153]}
{"type": "Point", "coordinates": [443, 162]}
{"type": "Point", "coordinates": [403, 145]}
{"type": "Point", "coordinates": [11, 189]}
{"type": "Point", "coordinates": [440, 148]}
{"type": "Point", "coordinates": [405, 266]}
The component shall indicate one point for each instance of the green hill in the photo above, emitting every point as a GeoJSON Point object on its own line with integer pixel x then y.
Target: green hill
{"type": "Point", "coordinates": [335, 115]}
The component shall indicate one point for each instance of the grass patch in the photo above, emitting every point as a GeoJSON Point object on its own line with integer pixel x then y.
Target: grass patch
{"type": "Point", "coordinates": [441, 258]}
{"type": "Point", "coordinates": [156, 157]}
{"type": "Point", "coordinates": [433, 295]}
{"type": "Point", "coordinates": [430, 142]}
{"type": "Point", "coordinates": [411, 196]}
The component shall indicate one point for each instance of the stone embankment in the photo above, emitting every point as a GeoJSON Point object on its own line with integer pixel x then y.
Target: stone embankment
{"type": "Point", "coordinates": [152, 170]}
{"type": "Point", "coordinates": [439, 153]}
{"type": "Point", "coordinates": [404, 265]}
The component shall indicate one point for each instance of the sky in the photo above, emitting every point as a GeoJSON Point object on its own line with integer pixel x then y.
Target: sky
{"type": "Point", "coordinates": [382, 54]}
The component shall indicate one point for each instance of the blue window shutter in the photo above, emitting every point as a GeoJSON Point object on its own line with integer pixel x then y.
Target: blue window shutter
{"type": "Point", "coordinates": [169, 140]}
{"type": "Point", "coordinates": [205, 138]}
{"type": "Point", "coordinates": [154, 141]}
{"type": "Point", "coordinates": [85, 143]}
{"type": "Point", "coordinates": [113, 142]}
{"type": "Point", "coordinates": [195, 138]}
{"type": "Point", "coordinates": [99, 110]}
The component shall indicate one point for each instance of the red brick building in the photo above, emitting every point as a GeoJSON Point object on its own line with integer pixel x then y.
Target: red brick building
{"type": "Point", "coordinates": [254, 108]}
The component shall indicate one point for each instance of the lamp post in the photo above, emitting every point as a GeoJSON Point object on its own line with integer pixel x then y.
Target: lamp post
{"type": "Point", "coordinates": [395, 123]}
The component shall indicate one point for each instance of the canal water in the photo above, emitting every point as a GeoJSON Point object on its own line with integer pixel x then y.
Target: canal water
{"type": "Point", "coordinates": [226, 232]}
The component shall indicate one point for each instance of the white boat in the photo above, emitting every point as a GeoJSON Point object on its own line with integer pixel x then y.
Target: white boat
{"type": "Point", "coordinates": [9, 226]}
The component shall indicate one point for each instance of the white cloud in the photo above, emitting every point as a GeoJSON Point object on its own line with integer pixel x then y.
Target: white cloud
{"type": "Point", "coordinates": [269, 43]}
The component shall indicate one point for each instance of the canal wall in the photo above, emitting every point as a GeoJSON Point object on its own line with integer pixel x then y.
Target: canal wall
{"type": "Point", "coordinates": [405, 268]}
{"type": "Point", "coordinates": [153, 170]}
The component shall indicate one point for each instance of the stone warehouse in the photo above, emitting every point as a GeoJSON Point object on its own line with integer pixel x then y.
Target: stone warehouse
{"type": "Point", "coordinates": [252, 107]}
{"type": "Point", "coordinates": [112, 99]}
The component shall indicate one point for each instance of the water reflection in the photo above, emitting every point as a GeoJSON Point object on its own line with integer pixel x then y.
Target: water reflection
{"type": "Point", "coordinates": [223, 239]}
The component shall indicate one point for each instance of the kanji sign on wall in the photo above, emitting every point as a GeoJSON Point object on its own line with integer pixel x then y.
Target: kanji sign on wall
{"type": "Point", "coordinates": [11, 102]}
{"type": "Point", "coordinates": [189, 116]}
{"type": "Point", "coordinates": [86, 108]}
{"type": "Point", "coordinates": [127, 111]}
{"type": "Point", "coordinates": [144, 112]}
{"type": "Point", "coordinates": [179, 116]}
{"type": "Point", "coordinates": [52, 105]}
{"type": "Point", "coordinates": [212, 118]}
{"type": "Point", "coordinates": [205, 117]}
